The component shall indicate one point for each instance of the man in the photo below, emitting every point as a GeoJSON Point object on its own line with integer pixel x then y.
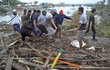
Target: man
{"type": "Point", "coordinates": [62, 16]}
{"type": "Point", "coordinates": [29, 14]}
{"type": "Point", "coordinates": [57, 21]}
{"type": "Point", "coordinates": [23, 16]}
{"type": "Point", "coordinates": [34, 12]}
{"type": "Point", "coordinates": [26, 29]}
{"type": "Point", "coordinates": [81, 26]}
{"type": "Point", "coordinates": [91, 24]}
{"type": "Point", "coordinates": [42, 21]}
{"type": "Point", "coordinates": [15, 21]}
{"type": "Point", "coordinates": [48, 24]}
{"type": "Point", "coordinates": [42, 17]}
{"type": "Point", "coordinates": [36, 30]}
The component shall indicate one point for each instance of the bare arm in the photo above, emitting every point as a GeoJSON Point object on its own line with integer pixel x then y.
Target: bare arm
{"type": "Point", "coordinates": [35, 25]}
{"type": "Point", "coordinates": [53, 24]}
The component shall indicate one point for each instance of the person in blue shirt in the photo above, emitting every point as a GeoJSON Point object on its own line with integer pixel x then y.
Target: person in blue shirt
{"type": "Point", "coordinates": [57, 21]}
{"type": "Point", "coordinates": [63, 16]}
{"type": "Point", "coordinates": [35, 28]}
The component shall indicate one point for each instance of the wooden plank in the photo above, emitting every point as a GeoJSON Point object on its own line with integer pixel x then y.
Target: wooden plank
{"type": "Point", "coordinates": [37, 51]}
{"type": "Point", "coordinates": [83, 68]}
{"type": "Point", "coordinates": [95, 56]}
{"type": "Point", "coordinates": [7, 46]}
{"type": "Point", "coordinates": [30, 64]}
{"type": "Point", "coordinates": [19, 66]}
{"type": "Point", "coordinates": [48, 59]}
{"type": "Point", "coordinates": [88, 60]}
{"type": "Point", "coordinates": [9, 64]}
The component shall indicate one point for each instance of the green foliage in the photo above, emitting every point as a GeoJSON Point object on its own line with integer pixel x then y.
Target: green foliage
{"type": "Point", "coordinates": [3, 11]}
{"type": "Point", "coordinates": [46, 5]}
{"type": "Point", "coordinates": [11, 3]}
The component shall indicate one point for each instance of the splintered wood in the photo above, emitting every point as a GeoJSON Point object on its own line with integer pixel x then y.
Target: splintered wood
{"type": "Point", "coordinates": [30, 57]}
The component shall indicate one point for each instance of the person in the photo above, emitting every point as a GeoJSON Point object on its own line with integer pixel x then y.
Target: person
{"type": "Point", "coordinates": [29, 14]}
{"type": "Point", "coordinates": [57, 20]}
{"type": "Point", "coordinates": [26, 29]}
{"type": "Point", "coordinates": [48, 24]}
{"type": "Point", "coordinates": [42, 17]}
{"type": "Point", "coordinates": [41, 21]}
{"type": "Point", "coordinates": [62, 16]}
{"type": "Point", "coordinates": [34, 11]}
{"type": "Point", "coordinates": [15, 21]}
{"type": "Point", "coordinates": [23, 16]}
{"type": "Point", "coordinates": [81, 27]}
{"type": "Point", "coordinates": [91, 24]}
{"type": "Point", "coordinates": [36, 30]}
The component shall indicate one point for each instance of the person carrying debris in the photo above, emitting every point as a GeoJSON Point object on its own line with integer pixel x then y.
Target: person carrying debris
{"type": "Point", "coordinates": [48, 24]}
{"type": "Point", "coordinates": [15, 21]}
{"type": "Point", "coordinates": [57, 20]}
{"type": "Point", "coordinates": [81, 26]}
{"type": "Point", "coordinates": [36, 30]}
{"type": "Point", "coordinates": [91, 25]}
{"type": "Point", "coordinates": [62, 16]}
{"type": "Point", "coordinates": [41, 21]}
{"type": "Point", "coordinates": [26, 29]}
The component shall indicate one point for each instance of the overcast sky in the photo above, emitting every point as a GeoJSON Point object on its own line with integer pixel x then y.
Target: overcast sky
{"type": "Point", "coordinates": [66, 1]}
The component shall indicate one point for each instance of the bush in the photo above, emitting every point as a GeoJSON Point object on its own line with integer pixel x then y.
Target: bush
{"type": "Point", "coordinates": [3, 11]}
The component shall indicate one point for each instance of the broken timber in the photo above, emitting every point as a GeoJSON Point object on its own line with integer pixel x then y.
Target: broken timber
{"type": "Point", "coordinates": [9, 64]}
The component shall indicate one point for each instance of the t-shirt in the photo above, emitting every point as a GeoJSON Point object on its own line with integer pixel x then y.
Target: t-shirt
{"type": "Point", "coordinates": [35, 17]}
{"type": "Point", "coordinates": [42, 19]}
{"type": "Point", "coordinates": [82, 21]}
{"type": "Point", "coordinates": [48, 22]}
{"type": "Point", "coordinates": [57, 19]}
{"type": "Point", "coordinates": [15, 20]}
{"type": "Point", "coordinates": [23, 18]}
{"type": "Point", "coordinates": [92, 19]}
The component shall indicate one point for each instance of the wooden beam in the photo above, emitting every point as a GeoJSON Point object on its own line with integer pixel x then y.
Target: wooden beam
{"type": "Point", "coordinates": [9, 64]}
{"type": "Point", "coordinates": [83, 68]}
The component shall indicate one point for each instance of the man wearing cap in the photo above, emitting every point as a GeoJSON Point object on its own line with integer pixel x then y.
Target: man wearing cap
{"type": "Point", "coordinates": [15, 21]}
{"type": "Point", "coordinates": [57, 20]}
{"type": "Point", "coordinates": [62, 16]}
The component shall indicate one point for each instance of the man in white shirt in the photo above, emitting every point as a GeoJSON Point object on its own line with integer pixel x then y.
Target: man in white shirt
{"type": "Point", "coordinates": [82, 26]}
{"type": "Point", "coordinates": [15, 22]}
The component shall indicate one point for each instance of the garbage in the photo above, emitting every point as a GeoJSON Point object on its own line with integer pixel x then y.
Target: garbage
{"type": "Point", "coordinates": [75, 44]}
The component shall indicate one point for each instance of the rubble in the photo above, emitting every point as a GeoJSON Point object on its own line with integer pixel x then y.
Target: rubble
{"type": "Point", "coordinates": [41, 54]}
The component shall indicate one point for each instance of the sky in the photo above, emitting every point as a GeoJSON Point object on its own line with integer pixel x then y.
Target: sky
{"type": "Point", "coordinates": [66, 1]}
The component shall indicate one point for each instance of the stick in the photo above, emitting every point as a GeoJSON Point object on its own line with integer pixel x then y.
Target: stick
{"type": "Point", "coordinates": [47, 61]}
{"type": "Point", "coordinates": [55, 61]}
{"type": "Point", "coordinates": [30, 64]}
{"type": "Point", "coordinates": [84, 68]}
{"type": "Point", "coordinates": [37, 51]}
{"type": "Point", "coordinates": [9, 64]}
{"type": "Point", "coordinates": [89, 54]}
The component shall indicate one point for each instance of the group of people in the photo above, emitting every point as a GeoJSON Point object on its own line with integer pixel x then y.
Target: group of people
{"type": "Point", "coordinates": [82, 24]}
{"type": "Point", "coordinates": [37, 23]}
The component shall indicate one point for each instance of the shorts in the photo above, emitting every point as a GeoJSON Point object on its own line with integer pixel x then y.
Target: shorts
{"type": "Point", "coordinates": [81, 34]}
{"type": "Point", "coordinates": [16, 27]}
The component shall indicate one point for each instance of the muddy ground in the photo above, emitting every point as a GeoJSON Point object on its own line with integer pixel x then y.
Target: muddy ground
{"type": "Point", "coordinates": [98, 58]}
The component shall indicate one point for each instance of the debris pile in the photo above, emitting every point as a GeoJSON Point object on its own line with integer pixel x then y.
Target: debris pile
{"type": "Point", "coordinates": [55, 55]}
